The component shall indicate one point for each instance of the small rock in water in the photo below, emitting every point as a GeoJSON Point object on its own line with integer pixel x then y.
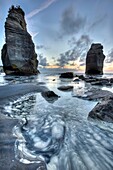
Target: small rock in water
{"type": "Point", "coordinates": [81, 77]}
{"type": "Point", "coordinates": [50, 96]}
{"type": "Point", "coordinates": [53, 79]}
{"type": "Point", "coordinates": [97, 83]}
{"type": "Point", "coordinates": [65, 88]}
{"type": "Point", "coordinates": [67, 75]}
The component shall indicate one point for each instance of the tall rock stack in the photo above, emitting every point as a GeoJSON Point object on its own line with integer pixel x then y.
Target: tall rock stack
{"type": "Point", "coordinates": [95, 59]}
{"type": "Point", "coordinates": [18, 53]}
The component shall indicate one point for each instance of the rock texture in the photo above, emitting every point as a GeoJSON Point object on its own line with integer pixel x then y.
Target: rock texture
{"type": "Point", "coordinates": [67, 75]}
{"type": "Point", "coordinates": [93, 94]}
{"type": "Point", "coordinates": [103, 110]}
{"type": "Point", "coordinates": [65, 88]}
{"type": "Point", "coordinates": [95, 59]}
{"type": "Point", "coordinates": [18, 53]}
{"type": "Point", "coordinates": [50, 96]}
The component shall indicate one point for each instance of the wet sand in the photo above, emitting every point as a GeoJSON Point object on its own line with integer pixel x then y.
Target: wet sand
{"type": "Point", "coordinates": [7, 156]}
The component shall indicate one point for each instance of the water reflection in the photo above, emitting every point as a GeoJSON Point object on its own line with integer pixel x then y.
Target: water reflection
{"type": "Point", "coordinates": [61, 137]}
{"type": "Point", "coordinates": [58, 135]}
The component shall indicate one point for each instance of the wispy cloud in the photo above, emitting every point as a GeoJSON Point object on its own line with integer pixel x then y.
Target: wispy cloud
{"type": "Point", "coordinates": [109, 58]}
{"type": "Point", "coordinates": [77, 52]}
{"type": "Point", "coordinates": [42, 60]}
{"type": "Point", "coordinates": [41, 8]}
{"type": "Point", "coordinates": [71, 22]}
{"type": "Point", "coordinates": [98, 21]}
{"type": "Point", "coordinates": [39, 47]}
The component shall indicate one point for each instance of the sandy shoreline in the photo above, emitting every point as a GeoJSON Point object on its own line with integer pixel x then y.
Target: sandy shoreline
{"type": "Point", "coordinates": [7, 140]}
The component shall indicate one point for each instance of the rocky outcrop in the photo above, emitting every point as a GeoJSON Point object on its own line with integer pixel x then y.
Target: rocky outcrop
{"type": "Point", "coordinates": [67, 75]}
{"type": "Point", "coordinates": [18, 53]}
{"type": "Point", "coordinates": [95, 59]}
{"type": "Point", "coordinates": [103, 110]}
{"type": "Point", "coordinates": [93, 94]}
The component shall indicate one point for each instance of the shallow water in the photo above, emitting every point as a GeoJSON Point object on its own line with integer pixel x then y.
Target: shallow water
{"type": "Point", "coordinates": [58, 133]}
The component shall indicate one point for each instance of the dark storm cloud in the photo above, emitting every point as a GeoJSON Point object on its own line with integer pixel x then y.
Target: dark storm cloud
{"type": "Point", "coordinates": [109, 58]}
{"type": "Point", "coordinates": [71, 22]}
{"type": "Point", "coordinates": [78, 50]}
{"type": "Point", "coordinates": [42, 60]}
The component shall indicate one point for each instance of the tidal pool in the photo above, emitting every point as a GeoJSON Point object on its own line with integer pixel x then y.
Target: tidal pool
{"type": "Point", "coordinates": [58, 134]}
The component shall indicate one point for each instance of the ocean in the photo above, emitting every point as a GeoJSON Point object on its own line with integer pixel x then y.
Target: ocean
{"type": "Point", "coordinates": [59, 133]}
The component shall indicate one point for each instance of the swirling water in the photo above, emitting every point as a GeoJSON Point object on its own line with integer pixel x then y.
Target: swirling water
{"type": "Point", "coordinates": [59, 134]}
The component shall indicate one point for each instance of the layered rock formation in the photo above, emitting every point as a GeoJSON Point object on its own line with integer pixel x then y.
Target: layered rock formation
{"type": "Point", "coordinates": [18, 53]}
{"type": "Point", "coordinates": [103, 110]}
{"type": "Point", "coordinates": [95, 59]}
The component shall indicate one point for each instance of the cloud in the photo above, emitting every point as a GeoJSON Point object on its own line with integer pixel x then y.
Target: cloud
{"type": "Point", "coordinates": [41, 8]}
{"type": "Point", "coordinates": [62, 60]}
{"type": "Point", "coordinates": [97, 22]}
{"type": "Point", "coordinates": [39, 47]}
{"type": "Point", "coordinates": [109, 58]}
{"type": "Point", "coordinates": [78, 51]}
{"type": "Point", "coordinates": [42, 60]}
{"type": "Point", "coordinates": [71, 22]}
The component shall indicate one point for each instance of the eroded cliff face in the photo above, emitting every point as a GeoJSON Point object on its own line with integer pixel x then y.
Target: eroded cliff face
{"type": "Point", "coordinates": [95, 59]}
{"type": "Point", "coordinates": [18, 53]}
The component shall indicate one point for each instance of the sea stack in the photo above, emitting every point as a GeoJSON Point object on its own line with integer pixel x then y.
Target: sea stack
{"type": "Point", "coordinates": [18, 53]}
{"type": "Point", "coordinates": [95, 59]}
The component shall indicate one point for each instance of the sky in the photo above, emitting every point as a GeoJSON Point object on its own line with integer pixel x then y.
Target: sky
{"type": "Point", "coordinates": [63, 30]}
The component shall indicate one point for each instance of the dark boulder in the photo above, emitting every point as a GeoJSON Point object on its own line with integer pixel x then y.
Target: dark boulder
{"type": "Point", "coordinates": [65, 88]}
{"type": "Point", "coordinates": [95, 59]}
{"type": "Point", "coordinates": [97, 83]}
{"type": "Point", "coordinates": [101, 82]}
{"type": "Point", "coordinates": [103, 110]}
{"type": "Point", "coordinates": [111, 80]}
{"type": "Point", "coordinates": [67, 75]}
{"type": "Point", "coordinates": [90, 80]}
{"type": "Point", "coordinates": [50, 96]}
{"type": "Point", "coordinates": [81, 77]}
{"type": "Point", "coordinates": [18, 53]}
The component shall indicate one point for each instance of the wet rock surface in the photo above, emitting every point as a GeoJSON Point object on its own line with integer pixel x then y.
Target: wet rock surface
{"type": "Point", "coordinates": [103, 110]}
{"type": "Point", "coordinates": [95, 59]}
{"type": "Point", "coordinates": [65, 88]}
{"type": "Point", "coordinates": [67, 75]}
{"type": "Point", "coordinates": [53, 135]}
{"type": "Point", "coordinates": [95, 94]}
{"type": "Point", "coordinates": [50, 96]}
{"type": "Point", "coordinates": [18, 53]}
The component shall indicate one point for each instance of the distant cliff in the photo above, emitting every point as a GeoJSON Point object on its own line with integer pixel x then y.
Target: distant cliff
{"type": "Point", "coordinates": [95, 59]}
{"type": "Point", "coordinates": [18, 53]}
